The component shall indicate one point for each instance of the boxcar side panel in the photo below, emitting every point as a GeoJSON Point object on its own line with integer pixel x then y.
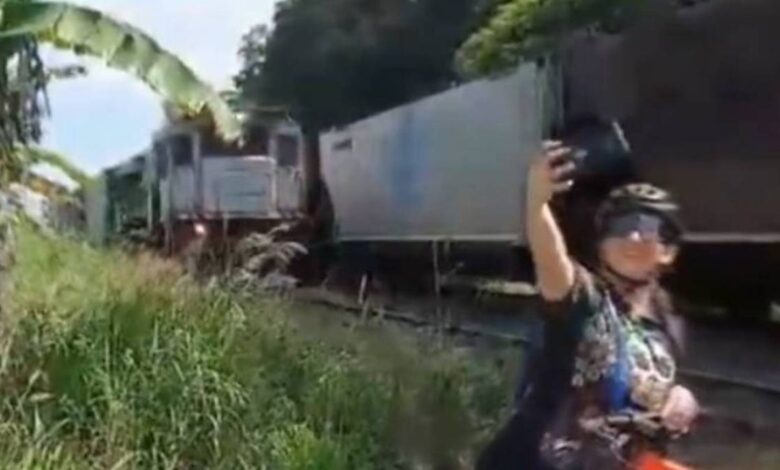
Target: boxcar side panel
{"type": "Point", "coordinates": [451, 166]}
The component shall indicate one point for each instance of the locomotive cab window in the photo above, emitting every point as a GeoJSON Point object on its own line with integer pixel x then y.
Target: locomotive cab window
{"type": "Point", "coordinates": [180, 147]}
{"type": "Point", "coordinates": [214, 146]}
{"type": "Point", "coordinates": [256, 143]}
{"type": "Point", "coordinates": [256, 140]}
{"type": "Point", "coordinates": [286, 150]}
{"type": "Point", "coordinates": [160, 155]}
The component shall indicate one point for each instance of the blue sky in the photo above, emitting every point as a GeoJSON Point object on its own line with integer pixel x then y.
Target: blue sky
{"type": "Point", "coordinates": [107, 116]}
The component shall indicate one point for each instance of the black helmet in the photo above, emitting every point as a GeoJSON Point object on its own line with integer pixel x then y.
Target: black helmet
{"type": "Point", "coordinates": [642, 197]}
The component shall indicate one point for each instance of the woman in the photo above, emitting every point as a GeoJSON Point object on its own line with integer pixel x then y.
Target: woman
{"type": "Point", "coordinates": [611, 341]}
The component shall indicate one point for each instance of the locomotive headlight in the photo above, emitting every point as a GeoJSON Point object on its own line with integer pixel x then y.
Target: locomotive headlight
{"type": "Point", "coordinates": [200, 230]}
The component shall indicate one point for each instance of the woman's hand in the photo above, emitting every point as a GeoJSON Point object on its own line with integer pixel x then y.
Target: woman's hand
{"type": "Point", "coordinates": [680, 410]}
{"type": "Point", "coordinates": [548, 174]}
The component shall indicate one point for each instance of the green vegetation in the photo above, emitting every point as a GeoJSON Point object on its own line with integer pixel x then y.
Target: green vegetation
{"type": "Point", "coordinates": [110, 361]}
{"type": "Point", "coordinates": [24, 24]}
{"type": "Point", "coordinates": [332, 62]}
{"type": "Point", "coordinates": [33, 155]}
{"type": "Point", "coordinates": [524, 29]}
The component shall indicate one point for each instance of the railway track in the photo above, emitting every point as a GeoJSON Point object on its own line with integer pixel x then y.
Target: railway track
{"type": "Point", "coordinates": [477, 330]}
{"type": "Point", "coordinates": [739, 427]}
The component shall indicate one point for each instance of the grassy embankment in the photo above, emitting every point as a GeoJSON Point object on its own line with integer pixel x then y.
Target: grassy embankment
{"type": "Point", "coordinates": [110, 361]}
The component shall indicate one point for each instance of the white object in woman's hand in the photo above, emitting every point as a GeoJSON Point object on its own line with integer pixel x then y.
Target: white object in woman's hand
{"type": "Point", "coordinates": [680, 410]}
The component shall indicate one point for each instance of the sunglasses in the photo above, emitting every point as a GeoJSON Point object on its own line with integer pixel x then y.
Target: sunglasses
{"type": "Point", "coordinates": [647, 226]}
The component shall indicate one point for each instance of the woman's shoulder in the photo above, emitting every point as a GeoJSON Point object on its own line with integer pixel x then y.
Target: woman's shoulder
{"type": "Point", "coordinates": [584, 299]}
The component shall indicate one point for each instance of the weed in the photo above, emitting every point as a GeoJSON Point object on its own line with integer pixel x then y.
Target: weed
{"type": "Point", "coordinates": [116, 361]}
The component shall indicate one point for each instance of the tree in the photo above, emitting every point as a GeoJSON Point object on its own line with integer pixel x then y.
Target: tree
{"type": "Point", "coordinates": [334, 61]}
{"type": "Point", "coordinates": [524, 29]}
{"type": "Point", "coordinates": [26, 23]}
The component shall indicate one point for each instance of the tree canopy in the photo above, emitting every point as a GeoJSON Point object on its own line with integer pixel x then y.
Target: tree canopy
{"type": "Point", "coordinates": [524, 29]}
{"type": "Point", "coordinates": [334, 61]}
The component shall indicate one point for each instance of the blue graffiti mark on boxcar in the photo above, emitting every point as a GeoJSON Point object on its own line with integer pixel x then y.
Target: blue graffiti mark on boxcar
{"type": "Point", "coordinates": [405, 155]}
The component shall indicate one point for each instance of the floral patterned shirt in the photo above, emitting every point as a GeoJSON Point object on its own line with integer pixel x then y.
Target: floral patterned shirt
{"type": "Point", "coordinates": [619, 363]}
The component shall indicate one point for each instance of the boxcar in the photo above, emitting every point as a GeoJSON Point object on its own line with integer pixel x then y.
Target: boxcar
{"type": "Point", "coordinates": [696, 91]}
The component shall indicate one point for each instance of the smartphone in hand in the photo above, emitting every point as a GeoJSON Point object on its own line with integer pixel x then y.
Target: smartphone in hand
{"type": "Point", "coordinates": [595, 148]}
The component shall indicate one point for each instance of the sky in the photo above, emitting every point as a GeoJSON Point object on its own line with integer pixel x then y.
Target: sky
{"type": "Point", "coordinates": [107, 116]}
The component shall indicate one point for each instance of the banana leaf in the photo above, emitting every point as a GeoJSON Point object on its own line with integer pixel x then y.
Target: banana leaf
{"type": "Point", "coordinates": [121, 46]}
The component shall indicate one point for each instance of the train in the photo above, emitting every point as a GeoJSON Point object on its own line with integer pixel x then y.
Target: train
{"type": "Point", "coordinates": [189, 183]}
{"type": "Point", "coordinates": [438, 185]}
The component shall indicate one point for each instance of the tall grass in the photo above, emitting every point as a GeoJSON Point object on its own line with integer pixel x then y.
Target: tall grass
{"type": "Point", "coordinates": [111, 361]}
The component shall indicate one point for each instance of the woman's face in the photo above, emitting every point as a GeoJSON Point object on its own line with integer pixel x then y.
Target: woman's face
{"type": "Point", "coordinates": [635, 250]}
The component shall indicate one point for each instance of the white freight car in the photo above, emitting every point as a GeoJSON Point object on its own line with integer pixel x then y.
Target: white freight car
{"type": "Point", "coordinates": [449, 167]}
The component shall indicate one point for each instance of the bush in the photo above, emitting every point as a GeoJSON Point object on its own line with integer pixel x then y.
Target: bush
{"type": "Point", "coordinates": [114, 361]}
